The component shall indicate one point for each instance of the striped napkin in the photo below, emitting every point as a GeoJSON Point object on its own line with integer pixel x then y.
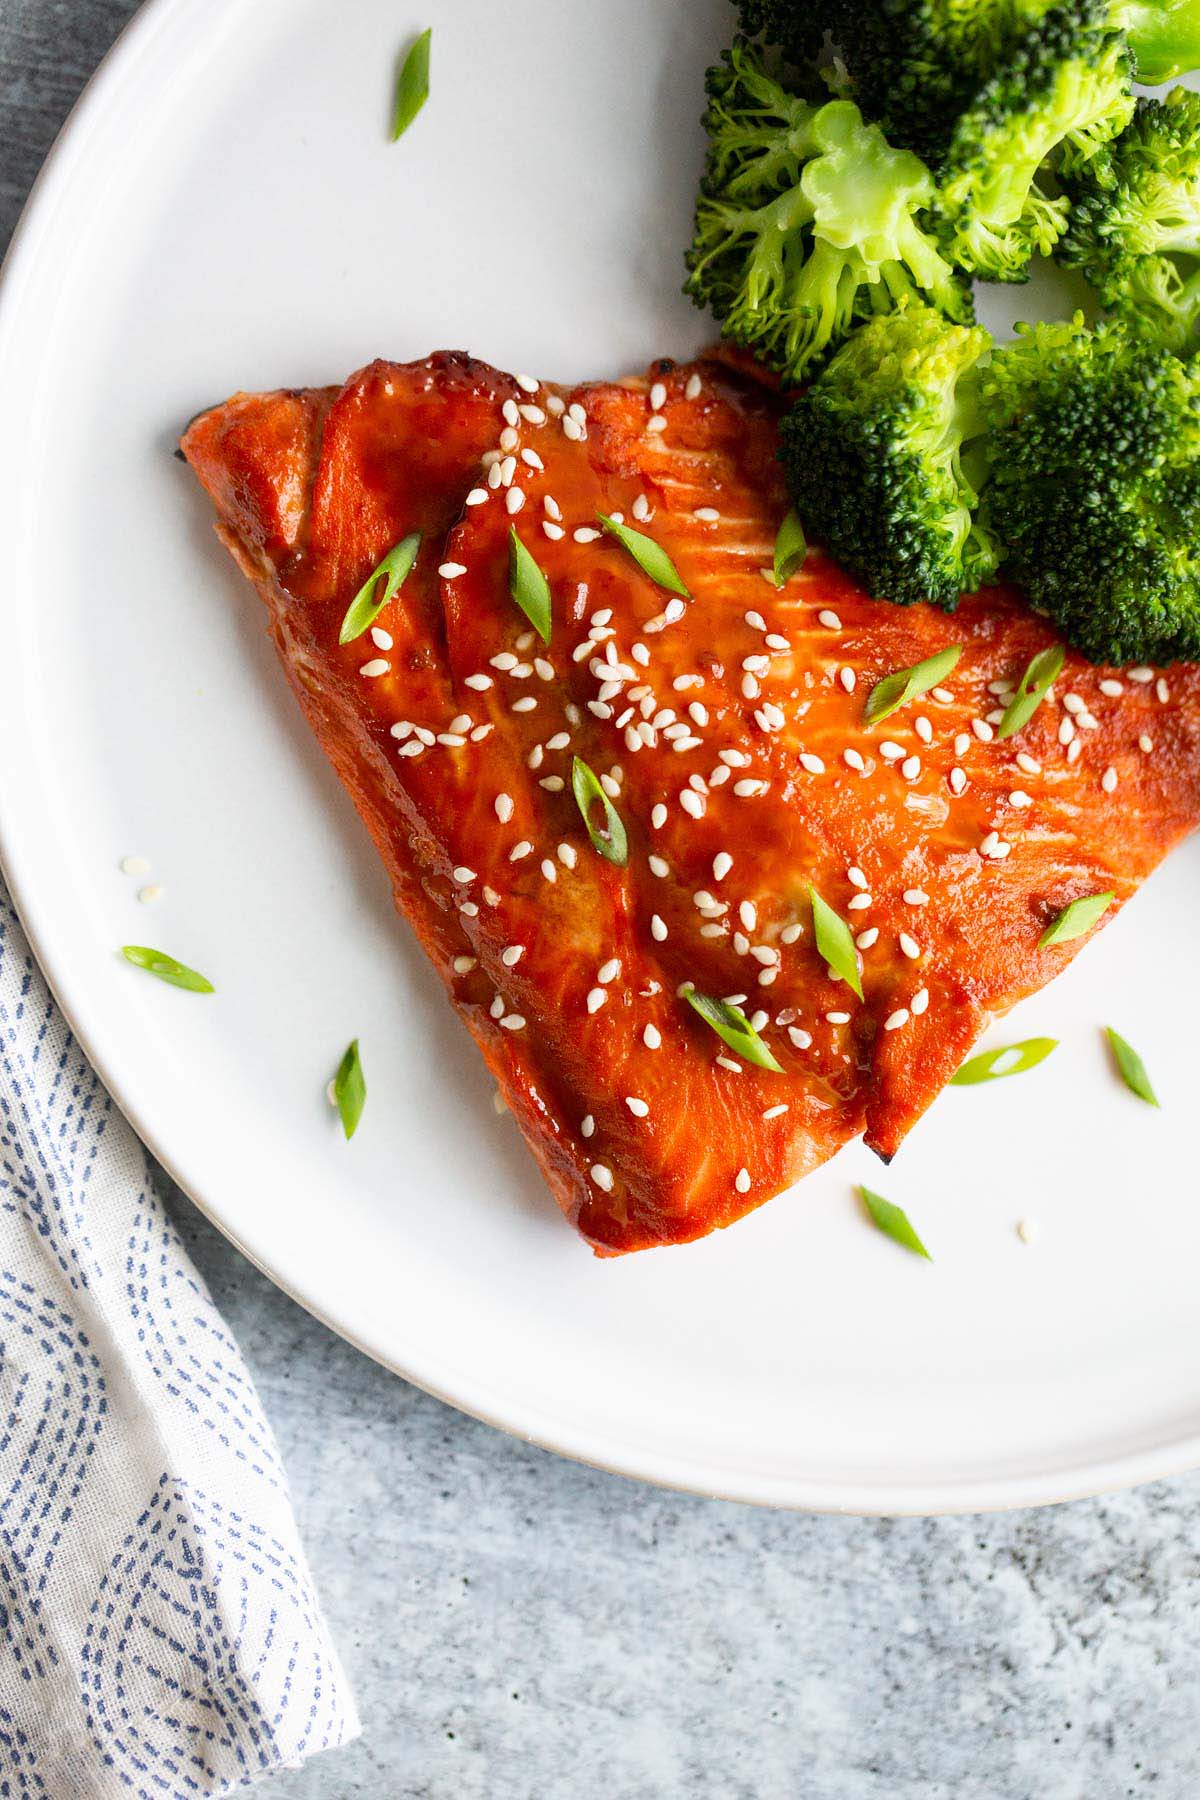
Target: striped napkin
{"type": "Point", "coordinates": [159, 1633]}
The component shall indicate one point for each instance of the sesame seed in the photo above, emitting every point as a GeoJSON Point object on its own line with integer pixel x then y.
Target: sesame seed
{"type": "Point", "coordinates": [377, 666]}
{"type": "Point", "coordinates": [552, 531]}
{"type": "Point", "coordinates": [764, 953]}
{"type": "Point", "coordinates": [610, 970]}
{"type": "Point", "coordinates": [698, 712]}
{"type": "Point", "coordinates": [962, 743]}
{"type": "Point", "coordinates": [708, 515]}
{"type": "Point", "coordinates": [748, 914]}
{"type": "Point", "coordinates": [1027, 764]}
{"type": "Point", "coordinates": [776, 1112]}
{"type": "Point", "coordinates": [1027, 1231]}
{"type": "Point", "coordinates": [915, 897]}
{"type": "Point", "coordinates": [1145, 744]}
{"type": "Point", "coordinates": [450, 571]}
{"type": "Point", "coordinates": [727, 1062]}
{"type": "Point", "coordinates": [602, 1175]}
{"type": "Point", "coordinates": [520, 850]}
{"type": "Point", "coordinates": [691, 803]}
{"type": "Point", "coordinates": [829, 618]}
{"type": "Point", "coordinates": [508, 469]}
{"type": "Point", "coordinates": [410, 749]}
{"type": "Point", "coordinates": [504, 808]}
{"type": "Point", "coordinates": [596, 999]}
{"type": "Point", "coordinates": [658, 929]}
{"type": "Point", "coordinates": [923, 729]}
{"type": "Point", "coordinates": [736, 759]}
{"type": "Point", "coordinates": [741, 1181]}
{"type": "Point", "coordinates": [464, 964]}
{"type": "Point", "coordinates": [527, 382]}
{"type": "Point", "coordinates": [859, 902]}
{"type": "Point", "coordinates": [866, 939]}
{"type": "Point", "coordinates": [514, 500]}
{"type": "Point", "coordinates": [551, 507]}
{"type": "Point", "coordinates": [1108, 780]}
{"type": "Point", "coordinates": [497, 1008]}
{"type": "Point", "coordinates": [381, 639]}
{"type": "Point", "coordinates": [1162, 691]}
{"type": "Point", "coordinates": [549, 870]}
{"type": "Point", "coordinates": [719, 776]}
{"type": "Point", "coordinates": [890, 751]}
{"type": "Point", "coordinates": [812, 763]}
{"type": "Point", "coordinates": [533, 415]}
{"type": "Point", "coordinates": [1073, 704]}
{"type": "Point", "coordinates": [853, 760]}
{"type": "Point", "coordinates": [896, 1020]}
{"type": "Point", "coordinates": [722, 863]}
{"type": "Point", "coordinates": [658, 397]}
{"type": "Point", "coordinates": [524, 705]}
{"type": "Point", "coordinates": [641, 509]}
{"type": "Point", "coordinates": [659, 866]}
{"type": "Point", "coordinates": [1066, 731]}
{"type": "Point", "coordinates": [585, 534]}
{"type": "Point", "coordinates": [692, 390]}
{"type": "Point", "coordinates": [512, 1022]}
{"type": "Point", "coordinates": [910, 946]}
{"type": "Point", "coordinates": [958, 781]}
{"type": "Point", "coordinates": [1075, 750]}
{"type": "Point", "coordinates": [572, 428]}
{"type": "Point", "coordinates": [982, 730]}
{"type": "Point", "coordinates": [426, 736]}
{"type": "Point", "coordinates": [749, 790]}
{"type": "Point", "coordinates": [652, 1037]}
{"type": "Point", "coordinates": [848, 679]}
{"type": "Point", "coordinates": [656, 423]}
{"type": "Point", "coordinates": [477, 496]}
{"type": "Point", "coordinates": [1140, 675]}
{"type": "Point", "coordinates": [512, 955]}
{"type": "Point", "coordinates": [491, 896]}
{"type": "Point", "coordinates": [480, 683]}
{"type": "Point", "coordinates": [1020, 799]}
{"type": "Point", "coordinates": [943, 696]}
{"type": "Point", "coordinates": [802, 1039]}
{"type": "Point", "coordinates": [148, 895]}
{"type": "Point", "coordinates": [509, 412]}
{"type": "Point", "coordinates": [640, 654]}
{"type": "Point", "coordinates": [587, 1125]}
{"type": "Point", "coordinates": [837, 1018]}
{"type": "Point", "coordinates": [919, 1002]}
{"type": "Point", "coordinates": [462, 874]}
{"type": "Point", "coordinates": [910, 768]}
{"type": "Point", "coordinates": [137, 865]}
{"type": "Point", "coordinates": [790, 933]}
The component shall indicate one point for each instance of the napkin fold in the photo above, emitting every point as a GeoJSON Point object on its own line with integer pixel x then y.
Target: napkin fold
{"type": "Point", "coordinates": [159, 1631]}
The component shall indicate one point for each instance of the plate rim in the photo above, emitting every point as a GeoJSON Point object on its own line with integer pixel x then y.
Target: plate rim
{"type": "Point", "coordinates": [591, 1447]}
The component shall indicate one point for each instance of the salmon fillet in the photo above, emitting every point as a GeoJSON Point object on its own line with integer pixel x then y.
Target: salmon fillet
{"type": "Point", "coordinates": [728, 730]}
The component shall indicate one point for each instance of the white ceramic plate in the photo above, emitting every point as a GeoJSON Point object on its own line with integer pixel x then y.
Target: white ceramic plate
{"type": "Point", "coordinates": [225, 212]}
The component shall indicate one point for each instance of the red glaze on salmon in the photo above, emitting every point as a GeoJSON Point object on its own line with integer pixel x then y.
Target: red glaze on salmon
{"type": "Point", "coordinates": [728, 729]}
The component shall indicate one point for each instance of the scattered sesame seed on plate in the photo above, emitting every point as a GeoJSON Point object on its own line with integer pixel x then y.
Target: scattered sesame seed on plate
{"type": "Point", "coordinates": [1027, 1231]}
{"type": "Point", "coordinates": [134, 865]}
{"type": "Point", "coordinates": [148, 895]}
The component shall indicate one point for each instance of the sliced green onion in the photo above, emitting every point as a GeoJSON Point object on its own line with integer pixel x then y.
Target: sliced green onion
{"type": "Point", "coordinates": [1074, 920]}
{"type": "Point", "coordinates": [791, 548]}
{"type": "Point", "coordinates": [528, 586]}
{"type": "Point", "coordinates": [650, 557]}
{"type": "Point", "coordinates": [1130, 1067]}
{"type": "Point", "coordinates": [350, 1089]}
{"type": "Point", "coordinates": [835, 943]}
{"type": "Point", "coordinates": [892, 692]}
{"type": "Point", "coordinates": [368, 603]}
{"type": "Point", "coordinates": [1009, 1059]}
{"type": "Point", "coordinates": [731, 1024]}
{"type": "Point", "coordinates": [1035, 684]}
{"type": "Point", "coordinates": [412, 86]}
{"type": "Point", "coordinates": [893, 1221]}
{"type": "Point", "coordinates": [157, 962]}
{"type": "Point", "coordinates": [612, 842]}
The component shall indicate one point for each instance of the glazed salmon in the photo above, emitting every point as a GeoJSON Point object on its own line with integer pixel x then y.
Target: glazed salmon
{"type": "Point", "coordinates": [726, 725]}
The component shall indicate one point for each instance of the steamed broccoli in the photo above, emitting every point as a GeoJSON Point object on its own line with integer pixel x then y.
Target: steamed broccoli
{"type": "Point", "coordinates": [797, 26]}
{"type": "Point", "coordinates": [879, 459]}
{"type": "Point", "coordinates": [1094, 488]}
{"type": "Point", "coordinates": [1164, 36]}
{"type": "Point", "coordinates": [1065, 90]}
{"type": "Point", "coordinates": [1135, 222]}
{"type": "Point", "coordinates": [807, 221]}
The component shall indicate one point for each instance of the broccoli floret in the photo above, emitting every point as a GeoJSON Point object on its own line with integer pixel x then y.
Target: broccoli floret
{"type": "Point", "coordinates": [1094, 490]}
{"type": "Point", "coordinates": [1063, 92]}
{"type": "Point", "coordinates": [1164, 36]}
{"type": "Point", "coordinates": [1135, 222]}
{"type": "Point", "coordinates": [797, 26]}
{"type": "Point", "coordinates": [880, 463]}
{"type": "Point", "coordinates": [807, 221]}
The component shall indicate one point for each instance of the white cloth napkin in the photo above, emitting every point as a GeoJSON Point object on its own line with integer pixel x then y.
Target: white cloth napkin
{"type": "Point", "coordinates": [159, 1632]}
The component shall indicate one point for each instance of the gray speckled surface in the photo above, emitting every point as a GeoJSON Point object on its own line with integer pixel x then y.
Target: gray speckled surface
{"type": "Point", "coordinates": [522, 1629]}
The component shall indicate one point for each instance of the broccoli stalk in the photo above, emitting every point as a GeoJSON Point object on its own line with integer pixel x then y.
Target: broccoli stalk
{"type": "Point", "coordinates": [1094, 489]}
{"type": "Point", "coordinates": [881, 456]}
{"type": "Point", "coordinates": [807, 221]}
{"type": "Point", "coordinates": [1164, 36]}
{"type": "Point", "coordinates": [1135, 222]}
